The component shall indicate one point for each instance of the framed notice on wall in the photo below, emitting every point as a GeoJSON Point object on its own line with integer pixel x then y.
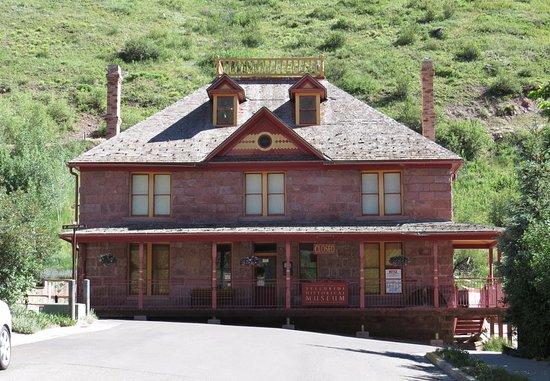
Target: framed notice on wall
{"type": "Point", "coordinates": [394, 283]}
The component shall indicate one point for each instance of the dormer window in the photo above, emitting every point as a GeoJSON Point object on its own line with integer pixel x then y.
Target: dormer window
{"type": "Point", "coordinates": [307, 93]}
{"type": "Point", "coordinates": [225, 107]}
{"type": "Point", "coordinates": [225, 95]}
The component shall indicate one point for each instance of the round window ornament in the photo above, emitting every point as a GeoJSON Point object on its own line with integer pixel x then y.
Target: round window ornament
{"type": "Point", "coordinates": [265, 141]}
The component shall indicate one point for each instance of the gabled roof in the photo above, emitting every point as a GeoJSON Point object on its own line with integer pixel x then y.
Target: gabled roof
{"type": "Point", "coordinates": [225, 85]}
{"type": "Point", "coordinates": [308, 84]}
{"type": "Point", "coordinates": [264, 114]}
{"type": "Point", "coordinates": [350, 130]}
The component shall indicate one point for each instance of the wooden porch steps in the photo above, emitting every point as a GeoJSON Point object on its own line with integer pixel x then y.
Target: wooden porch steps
{"type": "Point", "coordinates": [468, 326]}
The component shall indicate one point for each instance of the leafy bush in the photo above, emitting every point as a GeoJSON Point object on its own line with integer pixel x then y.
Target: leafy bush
{"type": "Point", "coordinates": [29, 322]}
{"type": "Point", "coordinates": [140, 49]}
{"type": "Point", "coordinates": [343, 24]}
{"type": "Point", "coordinates": [496, 344]}
{"type": "Point", "coordinates": [504, 85]}
{"type": "Point", "coordinates": [468, 52]}
{"type": "Point", "coordinates": [333, 41]}
{"type": "Point", "coordinates": [407, 35]}
{"type": "Point", "coordinates": [90, 99]}
{"type": "Point", "coordinates": [322, 13]}
{"type": "Point", "coordinates": [542, 95]}
{"type": "Point", "coordinates": [252, 40]}
{"type": "Point", "coordinates": [61, 112]}
{"type": "Point", "coordinates": [449, 9]}
{"type": "Point", "coordinates": [469, 139]}
{"type": "Point", "coordinates": [409, 114]}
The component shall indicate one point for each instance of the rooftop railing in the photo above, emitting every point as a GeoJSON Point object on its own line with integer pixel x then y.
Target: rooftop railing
{"type": "Point", "coordinates": [271, 67]}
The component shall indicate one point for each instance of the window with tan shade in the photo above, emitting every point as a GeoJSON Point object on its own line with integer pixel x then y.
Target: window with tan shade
{"type": "Point", "coordinates": [381, 193]}
{"type": "Point", "coordinates": [156, 269]}
{"type": "Point", "coordinates": [264, 194]}
{"type": "Point", "coordinates": [150, 194]}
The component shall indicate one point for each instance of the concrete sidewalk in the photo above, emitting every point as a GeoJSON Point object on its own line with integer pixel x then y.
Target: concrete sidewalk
{"type": "Point", "coordinates": [534, 370]}
{"type": "Point", "coordinates": [52, 333]}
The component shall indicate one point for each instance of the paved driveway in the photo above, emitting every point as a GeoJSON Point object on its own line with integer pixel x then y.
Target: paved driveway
{"type": "Point", "coordinates": [134, 350]}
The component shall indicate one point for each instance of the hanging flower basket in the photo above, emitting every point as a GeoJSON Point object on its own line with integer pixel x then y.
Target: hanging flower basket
{"type": "Point", "coordinates": [250, 261]}
{"type": "Point", "coordinates": [107, 259]}
{"type": "Point", "coordinates": [399, 260]}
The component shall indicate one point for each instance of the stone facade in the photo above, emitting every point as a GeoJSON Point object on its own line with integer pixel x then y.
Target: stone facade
{"type": "Point", "coordinates": [326, 196]}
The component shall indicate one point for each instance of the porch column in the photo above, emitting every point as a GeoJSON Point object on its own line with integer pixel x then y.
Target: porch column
{"type": "Point", "coordinates": [491, 265]}
{"type": "Point", "coordinates": [287, 276]}
{"type": "Point", "coordinates": [361, 275]}
{"type": "Point", "coordinates": [214, 277]}
{"type": "Point", "coordinates": [141, 280]}
{"type": "Point", "coordinates": [436, 275]}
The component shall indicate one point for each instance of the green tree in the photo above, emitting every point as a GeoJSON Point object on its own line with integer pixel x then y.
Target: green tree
{"type": "Point", "coordinates": [526, 245]}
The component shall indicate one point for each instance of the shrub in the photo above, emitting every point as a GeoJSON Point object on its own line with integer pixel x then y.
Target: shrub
{"type": "Point", "coordinates": [333, 41]}
{"type": "Point", "coordinates": [448, 9]}
{"type": "Point", "coordinates": [324, 13]}
{"type": "Point", "coordinates": [504, 85]}
{"type": "Point", "coordinates": [61, 112]}
{"type": "Point", "coordinates": [496, 344]}
{"type": "Point", "coordinates": [409, 114]}
{"type": "Point", "coordinates": [252, 40]}
{"type": "Point", "coordinates": [29, 322]}
{"type": "Point", "coordinates": [90, 99]}
{"type": "Point", "coordinates": [343, 24]}
{"type": "Point", "coordinates": [401, 89]}
{"type": "Point", "coordinates": [406, 35]}
{"type": "Point", "coordinates": [468, 52]}
{"type": "Point", "coordinates": [469, 139]}
{"type": "Point", "coordinates": [140, 49]}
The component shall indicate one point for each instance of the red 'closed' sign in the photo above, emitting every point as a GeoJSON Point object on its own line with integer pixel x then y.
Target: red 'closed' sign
{"type": "Point", "coordinates": [325, 294]}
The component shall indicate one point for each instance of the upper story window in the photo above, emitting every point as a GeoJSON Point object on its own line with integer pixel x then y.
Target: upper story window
{"type": "Point", "coordinates": [150, 194]}
{"type": "Point", "coordinates": [264, 194]}
{"type": "Point", "coordinates": [307, 93]}
{"type": "Point", "coordinates": [226, 95]}
{"type": "Point", "coordinates": [381, 193]}
{"type": "Point", "coordinates": [307, 109]}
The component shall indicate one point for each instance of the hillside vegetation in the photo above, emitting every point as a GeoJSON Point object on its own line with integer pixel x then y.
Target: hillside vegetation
{"type": "Point", "coordinates": [487, 54]}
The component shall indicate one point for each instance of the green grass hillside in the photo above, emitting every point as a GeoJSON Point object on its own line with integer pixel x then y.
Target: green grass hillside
{"type": "Point", "coordinates": [487, 54]}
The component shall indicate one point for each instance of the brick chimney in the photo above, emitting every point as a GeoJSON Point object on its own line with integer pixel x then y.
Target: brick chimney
{"type": "Point", "coordinates": [428, 112]}
{"type": "Point", "coordinates": [114, 82]}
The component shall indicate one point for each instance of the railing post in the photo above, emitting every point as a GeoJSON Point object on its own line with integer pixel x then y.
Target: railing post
{"type": "Point", "coordinates": [140, 280]}
{"type": "Point", "coordinates": [436, 275]}
{"type": "Point", "coordinates": [491, 275]}
{"type": "Point", "coordinates": [287, 276]}
{"type": "Point", "coordinates": [72, 298]}
{"type": "Point", "coordinates": [361, 275]}
{"type": "Point", "coordinates": [214, 277]}
{"type": "Point", "coordinates": [86, 294]}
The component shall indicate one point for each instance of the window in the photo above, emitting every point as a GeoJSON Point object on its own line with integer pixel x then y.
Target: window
{"type": "Point", "coordinates": [307, 109]}
{"type": "Point", "coordinates": [308, 262]}
{"type": "Point", "coordinates": [151, 195]}
{"type": "Point", "coordinates": [378, 259]}
{"type": "Point", "coordinates": [156, 269]}
{"type": "Point", "coordinates": [223, 266]}
{"type": "Point", "coordinates": [381, 193]}
{"type": "Point", "coordinates": [264, 194]}
{"type": "Point", "coordinates": [225, 107]}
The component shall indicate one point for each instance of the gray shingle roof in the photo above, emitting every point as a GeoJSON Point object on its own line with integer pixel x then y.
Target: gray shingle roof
{"type": "Point", "coordinates": [431, 227]}
{"type": "Point", "coordinates": [350, 130]}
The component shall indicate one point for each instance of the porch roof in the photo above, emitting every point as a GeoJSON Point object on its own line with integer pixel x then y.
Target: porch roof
{"type": "Point", "coordinates": [159, 231]}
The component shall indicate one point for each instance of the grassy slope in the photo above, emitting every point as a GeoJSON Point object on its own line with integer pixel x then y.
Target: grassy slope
{"type": "Point", "coordinates": [57, 51]}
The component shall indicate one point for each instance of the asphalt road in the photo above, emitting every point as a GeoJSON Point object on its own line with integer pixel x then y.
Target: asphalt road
{"type": "Point", "coordinates": [133, 350]}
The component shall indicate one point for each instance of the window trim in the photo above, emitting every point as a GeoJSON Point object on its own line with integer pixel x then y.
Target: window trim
{"type": "Point", "coordinates": [215, 109]}
{"type": "Point", "coordinates": [382, 264]}
{"type": "Point", "coordinates": [382, 193]}
{"type": "Point", "coordinates": [317, 108]}
{"type": "Point", "coordinates": [265, 193]}
{"type": "Point", "coordinates": [150, 194]}
{"type": "Point", "coordinates": [231, 267]}
{"type": "Point", "coordinates": [148, 270]}
{"type": "Point", "coordinates": [300, 262]}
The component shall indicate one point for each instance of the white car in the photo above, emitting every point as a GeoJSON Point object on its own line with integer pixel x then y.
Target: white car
{"type": "Point", "coordinates": [5, 336]}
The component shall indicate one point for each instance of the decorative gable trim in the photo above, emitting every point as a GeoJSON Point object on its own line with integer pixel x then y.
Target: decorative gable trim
{"type": "Point", "coordinates": [264, 113]}
{"type": "Point", "coordinates": [308, 85]}
{"type": "Point", "coordinates": [224, 85]}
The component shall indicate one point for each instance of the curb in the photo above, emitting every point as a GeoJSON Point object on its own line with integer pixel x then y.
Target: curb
{"type": "Point", "coordinates": [446, 367]}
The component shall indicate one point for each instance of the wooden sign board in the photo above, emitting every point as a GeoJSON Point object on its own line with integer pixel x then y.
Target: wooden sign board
{"type": "Point", "coordinates": [324, 248]}
{"type": "Point", "coordinates": [325, 294]}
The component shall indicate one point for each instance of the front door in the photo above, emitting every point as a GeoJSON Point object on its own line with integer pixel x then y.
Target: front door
{"type": "Point", "coordinates": [265, 282]}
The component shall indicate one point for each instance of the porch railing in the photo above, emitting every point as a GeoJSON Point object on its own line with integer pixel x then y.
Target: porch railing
{"type": "Point", "coordinates": [271, 67]}
{"type": "Point", "coordinates": [196, 293]}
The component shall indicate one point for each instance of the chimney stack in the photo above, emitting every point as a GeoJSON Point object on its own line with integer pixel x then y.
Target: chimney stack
{"type": "Point", "coordinates": [428, 112]}
{"type": "Point", "coordinates": [114, 82]}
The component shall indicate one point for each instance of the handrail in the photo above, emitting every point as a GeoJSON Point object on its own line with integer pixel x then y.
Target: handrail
{"type": "Point", "coordinates": [273, 67]}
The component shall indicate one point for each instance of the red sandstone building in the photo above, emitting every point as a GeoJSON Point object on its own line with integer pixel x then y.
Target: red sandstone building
{"type": "Point", "coordinates": [272, 194]}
